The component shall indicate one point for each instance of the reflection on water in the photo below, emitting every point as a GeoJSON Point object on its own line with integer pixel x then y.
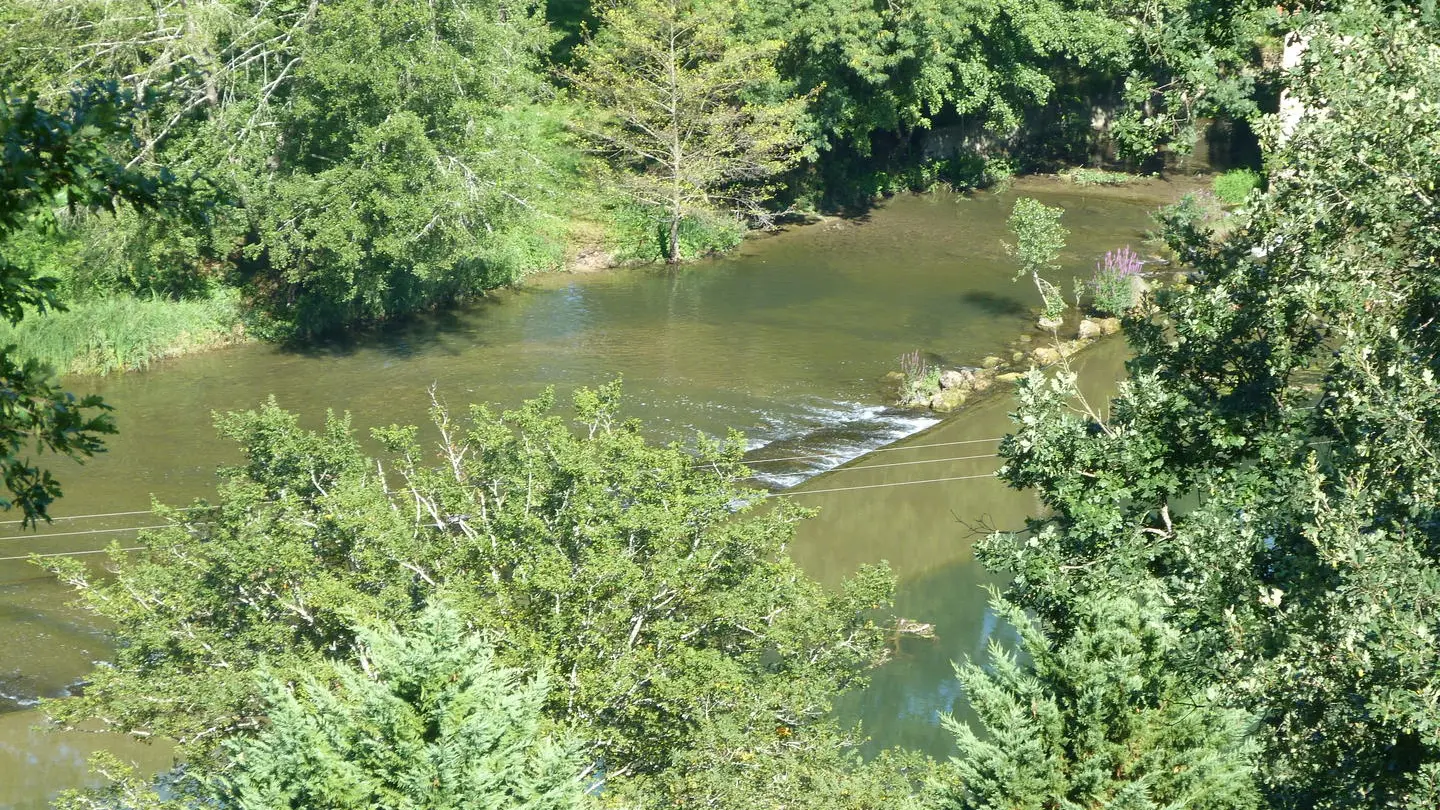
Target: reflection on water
{"type": "Point", "coordinates": [37, 763]}
{"type": "Point", "coordinates": [788, 341]}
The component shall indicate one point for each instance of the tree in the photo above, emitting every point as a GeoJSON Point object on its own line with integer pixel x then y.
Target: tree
{"type": "Point", "coordinates": [1097, 716]}
{"type": "Point", "coordinates": [423, 718]}
{"type": "Point", "coordinates": [649, 586]}
{"type": "Point", "coordinates": [679, 104]}
{"type": "Point", "coordinates": [1271, 460]}
{"type": "Point", "coordinates": [897, 67]}
{"type": "Point", "coordinates": [427, 720]}
{"type": "Point", "coordinates": [55, 160]}
{"type": "Point", "coordinates": [1039, 238]}
{"type": "Point", "coordinates": [381, 157]}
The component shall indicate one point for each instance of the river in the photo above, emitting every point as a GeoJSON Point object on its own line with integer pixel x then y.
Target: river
{"type": "Point", "coordinates": [788, 341]}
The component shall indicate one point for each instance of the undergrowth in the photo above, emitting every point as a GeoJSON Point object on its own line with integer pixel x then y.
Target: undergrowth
{"type": "Point", "coordinates": [121, 332]}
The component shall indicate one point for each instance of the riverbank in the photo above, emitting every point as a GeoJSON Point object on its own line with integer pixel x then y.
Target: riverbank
{"type": "Point", "coordinates": [123, 333]}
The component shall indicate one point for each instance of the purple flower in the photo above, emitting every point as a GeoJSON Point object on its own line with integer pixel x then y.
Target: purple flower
{"type": "Point", "coordinates": [1122, 262]}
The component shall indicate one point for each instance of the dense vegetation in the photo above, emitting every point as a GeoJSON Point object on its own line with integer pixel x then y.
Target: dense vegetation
{"type": "Point", "coordinates": [372, 159]}
{"type": "Point", "coordinates": [1228, 603]}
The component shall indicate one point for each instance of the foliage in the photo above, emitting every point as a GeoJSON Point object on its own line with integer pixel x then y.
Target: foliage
{"type": "Point", "coordinates": [642, 234]}
{"type": "Point", "coordinates": [1082, 176]}
{"type": "Point", "coordinates": [1039, 238]}
{"type": "Point", "coordinates": [420, 115]}
{"type": "Point", "coordinates": [919, 380]}
{"type": "Point", "coordinates": [427, 720]}
{"type": "Point", "coordinates": [1270, 464]}
{"type": "Point", "coordinates": [677, 102]}
{"type": "Point", "coordinates": [429, 120]}
{"type": "Point", "coordinates": [121, 332]}
{"type": "Point", "coordinates": [1097, 716]}
{"type": "Point", "coordinates": [647, 584]}
{"type": "Point", "coordinates": [54, 160]}
{"type": "Point", "coordinates": [1112, 288]}
{"type": "Point", "coordinates": [896, 67]}
{"type": "Point", "coordinates": [1189, 61]}
{"type": "Point", "coordinates": [1234, 186]}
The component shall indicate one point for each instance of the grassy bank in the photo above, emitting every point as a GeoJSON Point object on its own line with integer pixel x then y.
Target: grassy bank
{"type": "Point", "coordinates": [122, 333]}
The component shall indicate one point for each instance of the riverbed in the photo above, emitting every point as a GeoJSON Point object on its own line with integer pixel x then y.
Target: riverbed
{"type": "Point", "coordinates": [787, 341]}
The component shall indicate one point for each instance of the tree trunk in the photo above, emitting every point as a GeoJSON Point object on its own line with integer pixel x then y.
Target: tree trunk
{"type": "Point", "coordinates": [674, 238]}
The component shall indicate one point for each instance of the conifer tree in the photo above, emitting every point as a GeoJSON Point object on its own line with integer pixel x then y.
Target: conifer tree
{"type": "Point", "coordinates": [427, 720]}
{"type": "Point", "coordinates": [1098, 717]}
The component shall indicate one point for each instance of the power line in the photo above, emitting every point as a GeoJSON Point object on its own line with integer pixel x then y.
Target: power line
{"type": "Point", "coordinates": [878, 486]}
{"type": "Point", "coordinates": [71, 553]}
{"type": "Point", "coordinates": [91, 531]}
{"type": "Point", "coordinates": [98, 515]}
{"type": "Point", "coordinates": [768, 495]}
{"type": "Point", "coordinates": [867, 452]}
{"type": "Point", "coordinates": [108, 515]}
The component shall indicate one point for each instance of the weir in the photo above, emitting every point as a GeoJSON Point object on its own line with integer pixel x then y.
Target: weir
{"type": "Point", "coordinates": [788, 341]}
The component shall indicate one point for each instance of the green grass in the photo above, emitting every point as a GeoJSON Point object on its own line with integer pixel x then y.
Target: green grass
{"type": "Point", "coordinates": [1082, 176]}
{"type": "Point", "coordinates": [1234, 186]}
{"type": "Point", "coordinates": [120, 332]}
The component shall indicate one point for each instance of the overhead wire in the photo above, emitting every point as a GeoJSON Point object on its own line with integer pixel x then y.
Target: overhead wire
{"type": "Point", "coordinates": [98, 515]}
{"type": "Point", "coordinates": [785, 493]}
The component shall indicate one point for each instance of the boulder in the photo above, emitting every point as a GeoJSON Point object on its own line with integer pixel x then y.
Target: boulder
{"type": "Point", "coordinates": [1046, 356]}
{"type": "Point", "coordinates": [1138, 287]}
{"type": "Point", "coordinates": [1024, 338]}
{"type": "Point", "coordinates": [1010, 377]}
{"type": "Point", "coordinates": [982, 382]}
{"type": "Point", "coordinates": [1049, 324]}
{"type": "Point", "coordinates": [954, 378]}
{"type": "Point", "coordinates": [991, 361]}
{"type": "Point", "coordinates": [1108, 326]}
{"type": "Point", "coordinates": [947, 400]}
{"type": "Point", "coordinates": [1089, 330]}
{"type": "Point", "coordinates": [1017, 357]}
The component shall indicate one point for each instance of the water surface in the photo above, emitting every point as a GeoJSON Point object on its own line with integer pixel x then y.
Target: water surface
{"type": "Point", "coordinates": [787, 341]}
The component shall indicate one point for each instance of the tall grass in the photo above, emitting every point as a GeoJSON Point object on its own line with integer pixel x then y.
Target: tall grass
{"type": "Point", "coordinates": [121, 332]}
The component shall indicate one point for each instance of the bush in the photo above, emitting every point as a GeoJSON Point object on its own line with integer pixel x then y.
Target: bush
{"type": "Point", "coordinates": [1082, 176]}
{"type": "Point", "coordinates": [920, 380]}
{"type": "Point", "coordinates": [1112, 288]}
{"type": "Point", "coordinates": [1235, 185]}
{"type": "Point", "coordinates": [641, 234]}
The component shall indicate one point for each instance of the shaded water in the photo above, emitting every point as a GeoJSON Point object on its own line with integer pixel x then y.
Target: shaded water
{"type": "Point", "coordinates": [787, 341]}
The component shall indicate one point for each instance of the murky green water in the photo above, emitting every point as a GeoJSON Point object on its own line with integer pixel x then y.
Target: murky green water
{"type": "Point", "coordinates": [787, 341]}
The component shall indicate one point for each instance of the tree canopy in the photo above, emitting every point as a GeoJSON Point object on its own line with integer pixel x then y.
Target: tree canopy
{"type": "Point", "coordinates": [650, 589]}
{"type": "Point", "coordinates": [1268, 466]}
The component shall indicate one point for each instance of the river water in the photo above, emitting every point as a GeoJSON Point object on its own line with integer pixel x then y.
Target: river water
{"type": "Point", "coordinates": [788, 341]}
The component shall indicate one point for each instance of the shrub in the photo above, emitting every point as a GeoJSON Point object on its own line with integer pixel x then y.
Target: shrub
{"type": "Point", "coordinates": [1112, 289]}
{"type": "Point", "coordinates": [1082, 176]}
{"type": "Point", "coordinates": [1235, 185]}
{"type": "Point", "coordinates": [921, 380]}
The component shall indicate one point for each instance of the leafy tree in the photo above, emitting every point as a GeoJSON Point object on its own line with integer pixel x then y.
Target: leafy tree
{"type": "Point", "coordinates": [407, 156]}
{"type": "Point", "coordinates": [896, 67]}
{"type": "Point", "coordinates": [1098, 717]}
{"type": "Point", "coordinates": [54, 160]}
{"type": "Point", "coordinates": [678, 103]}
{"type": "Point", "coordinates": [650, 587]}
{"type": "Point", "coordinates": [1039, 238]}
{"type": "Point", "coordinates": [1189, 61]}
{"type": "Point", "coordinates": [1270, 462]}
{"type": "Point", "coordinates": [384, 157]}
